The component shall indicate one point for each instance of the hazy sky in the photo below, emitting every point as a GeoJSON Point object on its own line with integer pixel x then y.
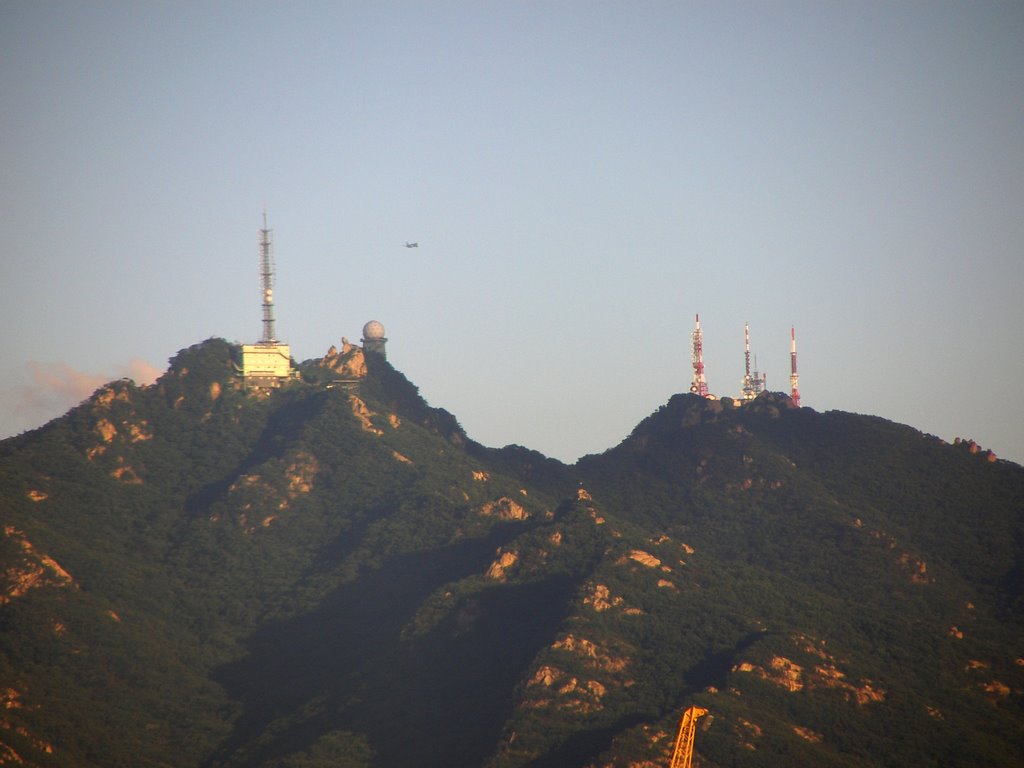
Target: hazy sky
{"type": "Point", "coordinates": [582, 178]}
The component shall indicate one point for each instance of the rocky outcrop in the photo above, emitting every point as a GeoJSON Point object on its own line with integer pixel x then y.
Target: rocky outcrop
{"type": "Point", "coordinates": [601, 599]}
{"type": "Point", "coordinates": [301, 472]}
{"type": "Point", "coordinates": [268, 494]}
{"type": "Point", "coordinates": [794, 677]}
{"type": "Point", "coordinates": [781, 671]}
{"type": "Point", "coordinates": [976, 450]}
{"type": "Point", "coordinates": [349, 363]}
{"type": "Point", "coordinates": [363, 414]}
{"type": "Point", "coordinates": [108, 395]}
{"type": "Point", "coordinates": [505, 562]}
{"type": "Point", "coordinates": [994, 690]}
{"type": "Point", "coordinates": [125, 473]}
{"type": "Point", "coordinates": [503, 508]}
{"type": "Point", "coordinates": [11, 701]}
{"type": "Point", "coordinates": [645, 558]}
{"type": "Point", "coordinates": [749, 733]}
{"type": "Point", "coordinates": [28, 570]}
{"type": "Point", "coordinates": [807, 734]}
{"type": "Point", "coordinates": [917, 569]}
{"type": "Point", "coordinates": [594, 655]}
{"type": "Point", "coordinates": [133, 430]}
{"type": "Point", "coordinates": [582, 499]}
{"type": "Point", "coordinates": [565, 692]}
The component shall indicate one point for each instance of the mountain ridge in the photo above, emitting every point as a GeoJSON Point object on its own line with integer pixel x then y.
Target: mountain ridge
{"type": "Point", "coordinates": [334, 573]}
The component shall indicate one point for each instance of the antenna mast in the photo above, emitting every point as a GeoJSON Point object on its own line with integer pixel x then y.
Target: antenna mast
{"type": "Point", "coordinates": [748, 387]}
{"type": "Point", "coordinates": [794, 377]}
{"type": "Point", "coordinates": [267, 278]}
{"type": "Point", "coordinates": [700, 384]}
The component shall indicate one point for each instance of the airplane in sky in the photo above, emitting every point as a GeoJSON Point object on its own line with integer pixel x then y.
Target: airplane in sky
{"type": "Point", "coordinates": [411, 245]}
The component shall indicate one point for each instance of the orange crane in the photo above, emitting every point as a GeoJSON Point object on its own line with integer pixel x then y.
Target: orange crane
{"type": "Point", "coordinates": [683, 753]}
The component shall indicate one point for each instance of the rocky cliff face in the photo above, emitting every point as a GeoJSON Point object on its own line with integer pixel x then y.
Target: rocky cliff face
{"type": "Point", "coordinates": [348, 363]}
{"type": "Point", "coordinates": [26, 568]}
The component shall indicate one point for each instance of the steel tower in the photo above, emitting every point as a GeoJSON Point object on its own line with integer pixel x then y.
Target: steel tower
{"type": "Point", "coordinates": [700, 384]}
{"type": "Point", "coordinates": [267, 278]}
{"type": "Point", "coordinates": [753, 383]}
{"type": "Point", "coordinates": [794, 377]}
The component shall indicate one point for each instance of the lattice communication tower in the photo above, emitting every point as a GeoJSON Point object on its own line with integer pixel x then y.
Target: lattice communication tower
{"type": "Point", "coordinates": [700, 384]}
{"type": "Point", "coordinates": [267, 279]}
{"type": "Point", "coordinates": [753, 382]}
{"type": "Point", "coordinates": [794, 377]}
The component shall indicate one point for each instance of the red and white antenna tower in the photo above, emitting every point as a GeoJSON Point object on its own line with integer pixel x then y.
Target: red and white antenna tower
{"type": "Point", "coordinates": [794, 377]}
{"type": "Point", "coordinates": [700, 384]}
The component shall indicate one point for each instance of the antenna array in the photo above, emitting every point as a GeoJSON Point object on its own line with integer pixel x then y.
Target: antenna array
{"type": "Point", "coordinates": [753, 382]}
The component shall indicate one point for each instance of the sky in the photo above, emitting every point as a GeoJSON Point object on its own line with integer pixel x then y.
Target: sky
{"type": "Point", "coordinates": [582, 178]}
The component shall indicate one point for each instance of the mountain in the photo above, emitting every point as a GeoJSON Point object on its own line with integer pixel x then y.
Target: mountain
{"type": "Point", "coordinates": [334, 574]}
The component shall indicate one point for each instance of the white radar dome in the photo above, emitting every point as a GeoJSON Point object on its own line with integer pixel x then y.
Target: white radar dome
{"type": "Point", "coordinates": [373, 330]}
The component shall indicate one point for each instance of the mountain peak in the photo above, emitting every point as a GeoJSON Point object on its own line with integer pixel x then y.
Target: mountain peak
{"type": "Point", "coordinates": [290, 576]}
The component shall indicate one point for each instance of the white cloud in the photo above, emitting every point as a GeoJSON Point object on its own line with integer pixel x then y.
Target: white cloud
{"type": "Point", "coordinates": [51, 389]}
